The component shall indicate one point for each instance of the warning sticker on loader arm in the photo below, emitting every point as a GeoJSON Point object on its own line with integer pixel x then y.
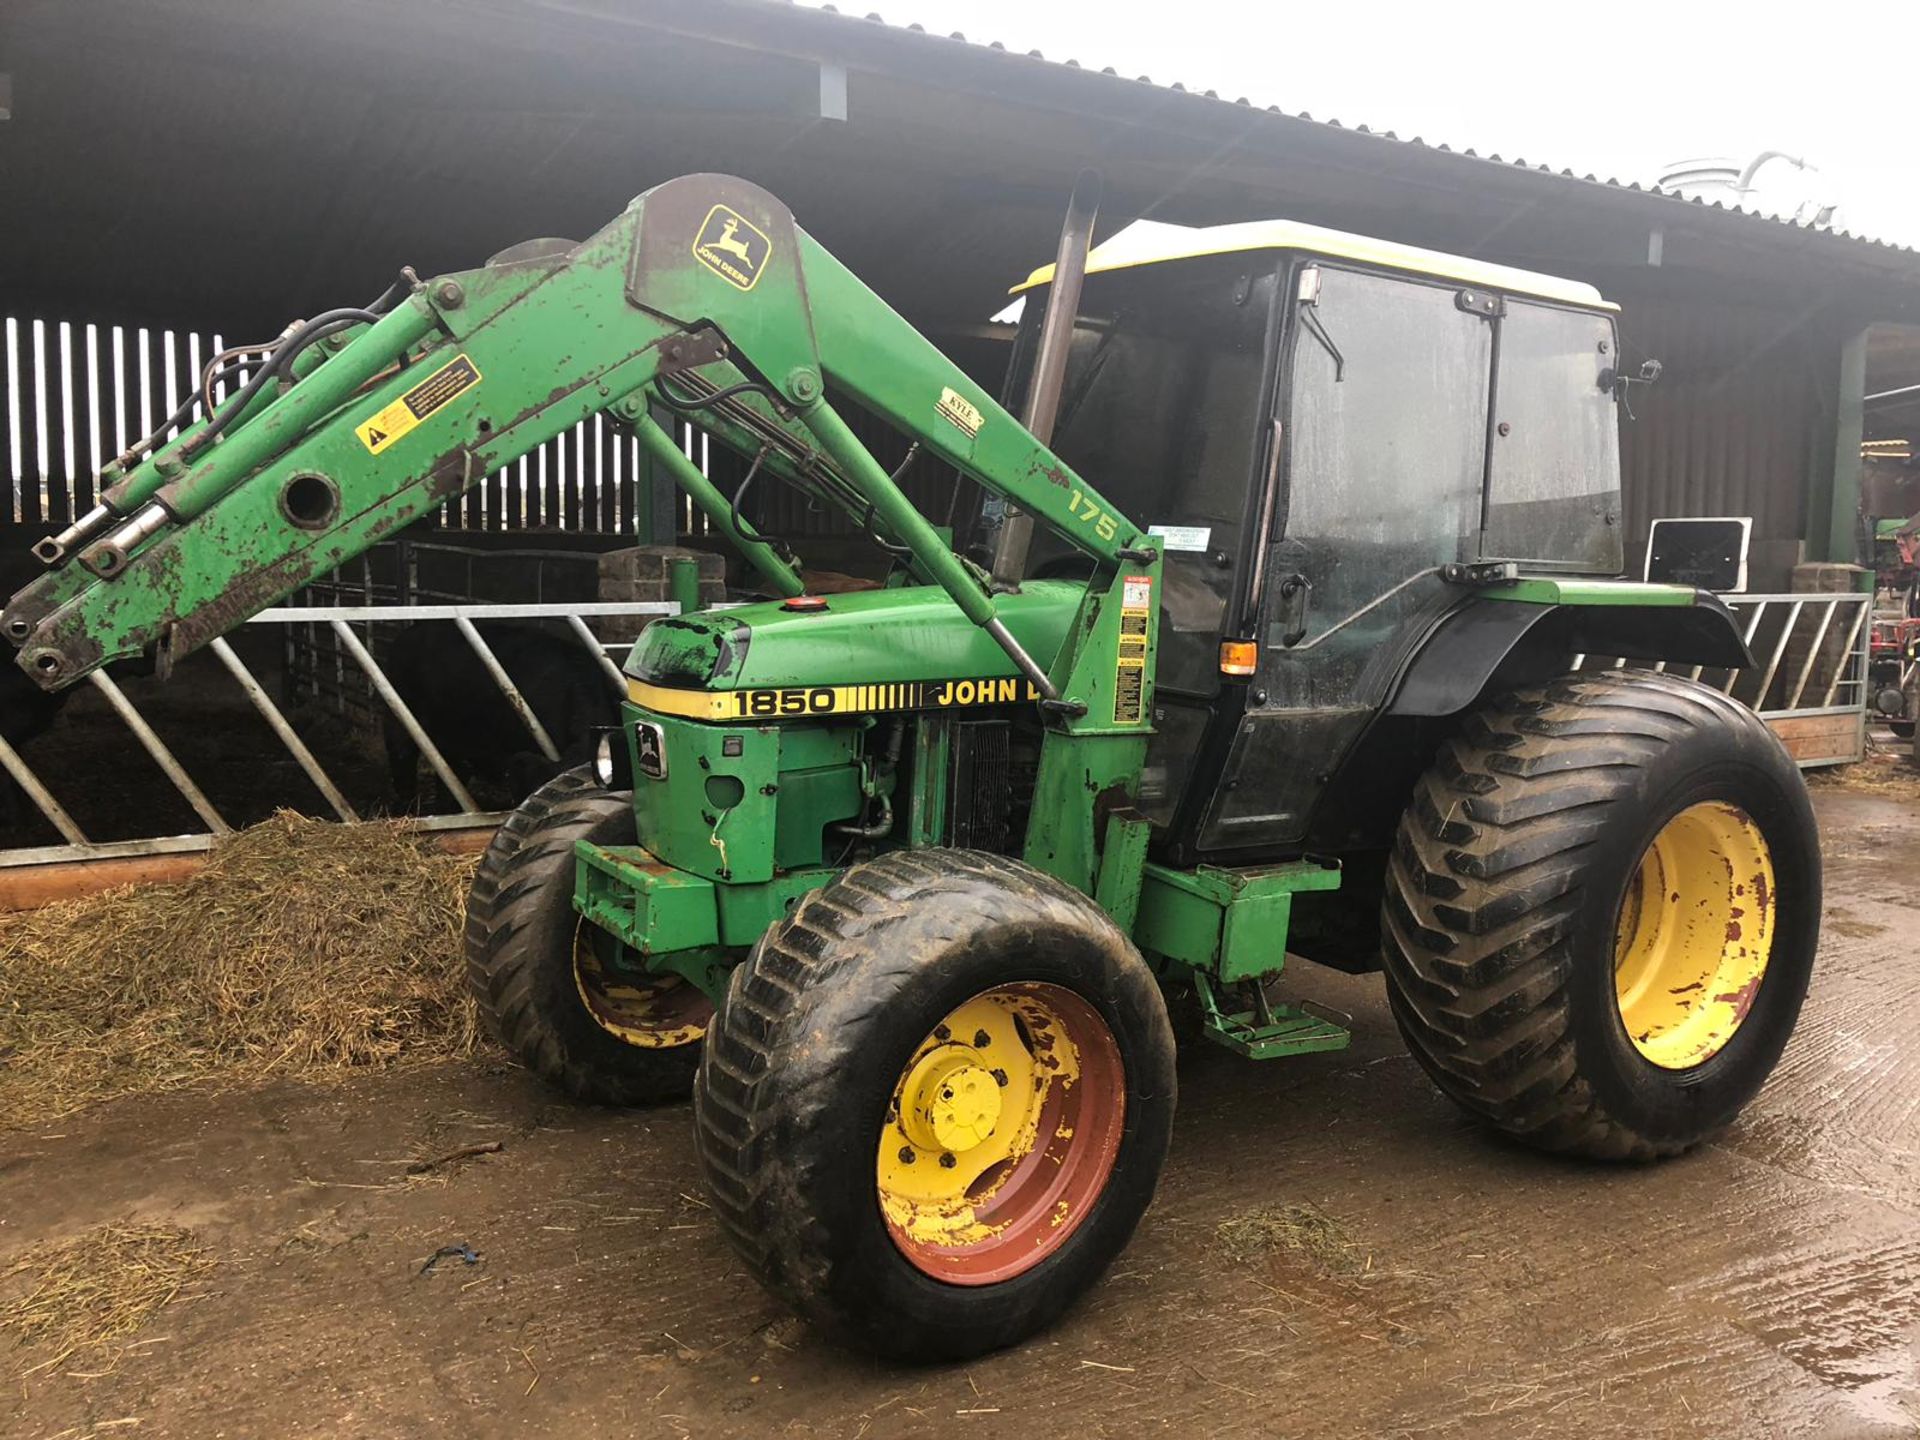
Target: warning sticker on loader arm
{"type": "Point", "coordinates": [1130, 664]}
{"type": "Point", "coordinates": [436, 392]}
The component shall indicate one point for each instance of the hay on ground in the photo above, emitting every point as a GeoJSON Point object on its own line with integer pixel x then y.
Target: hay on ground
{"type": "Point", "coordinates": [82, 1296]}
{"type": "Point", "coordinates": [1883, 771]}
{"type": "Point", "coordinates": [1292, 1229]}
{"type": "Point", "coordinates": [302, 946]}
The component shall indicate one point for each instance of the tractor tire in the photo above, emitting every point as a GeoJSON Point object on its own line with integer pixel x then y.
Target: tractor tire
{"type": "Point", "coordinates": [1601, 913]}
{"type": "Point", "coordinates": [549, 985]}
{"type": "Point", "coordinates": [936, 1103]}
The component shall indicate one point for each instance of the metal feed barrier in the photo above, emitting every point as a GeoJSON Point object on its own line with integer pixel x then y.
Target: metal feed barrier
{"type": "Point", "coordinates": [341, 620]}
{"type": "Point", "coordinates": [1809, 681]}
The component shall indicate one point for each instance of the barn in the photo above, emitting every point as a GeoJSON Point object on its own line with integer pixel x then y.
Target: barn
{"type": "Point", "coordinates": [201, 174]}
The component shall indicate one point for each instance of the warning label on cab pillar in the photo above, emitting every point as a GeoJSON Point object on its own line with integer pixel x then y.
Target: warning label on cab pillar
{"type": "Point", "coordinates": [1130, 664]}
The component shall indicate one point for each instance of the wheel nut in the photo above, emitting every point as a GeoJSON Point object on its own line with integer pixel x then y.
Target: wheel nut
{"type": "Point", "coordinates": [1000, 1077]}
{"type": "Point", "coordinates": [947, 1162]}
{"type": "Point", "coordinates": [941, 1032]}
{"type": "Point", "coordinates": [981, 1039]}
{"type": "Point", "coordinates": [907, 1157]}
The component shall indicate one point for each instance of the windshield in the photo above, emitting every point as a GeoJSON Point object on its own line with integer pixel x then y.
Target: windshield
{"type": "Point", "coordinates": [1159, 411]}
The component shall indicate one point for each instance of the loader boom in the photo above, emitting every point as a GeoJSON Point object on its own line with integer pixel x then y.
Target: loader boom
{"type": "Point", "coordinates": [703, 294]}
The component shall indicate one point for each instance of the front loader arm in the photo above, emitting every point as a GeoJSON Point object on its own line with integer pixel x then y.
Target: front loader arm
{"type": "Point", "coordinates": [701, 286]}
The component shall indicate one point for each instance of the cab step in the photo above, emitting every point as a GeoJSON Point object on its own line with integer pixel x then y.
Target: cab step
{"type": "Point", "coordinates": [1267, 1031]}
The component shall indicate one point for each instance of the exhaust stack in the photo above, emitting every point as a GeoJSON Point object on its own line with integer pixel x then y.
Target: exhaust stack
{"type": "Point", "coordinates": [1050, 361]}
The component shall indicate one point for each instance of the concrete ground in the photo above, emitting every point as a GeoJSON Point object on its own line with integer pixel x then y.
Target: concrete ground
{"type": "Point", "coordinates": [1769, 1284]}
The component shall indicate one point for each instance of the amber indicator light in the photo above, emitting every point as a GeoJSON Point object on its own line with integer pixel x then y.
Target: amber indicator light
{"type": "Point", "coordinates": [1238, 657]}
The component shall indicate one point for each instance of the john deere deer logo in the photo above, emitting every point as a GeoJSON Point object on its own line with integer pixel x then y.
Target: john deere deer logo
{"type": "Point", "coordinates": [731, 242]}
{"type": "Point", "coordinates": [732, 246]}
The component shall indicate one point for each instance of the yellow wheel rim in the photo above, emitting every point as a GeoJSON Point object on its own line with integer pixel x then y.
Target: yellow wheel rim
{"type": "Point", "coordinates": [1694, 934]}
{"type": "Point", "coordinates": [1000, 1133]}
{"type": "Point", "coordinates": [654, 1012]}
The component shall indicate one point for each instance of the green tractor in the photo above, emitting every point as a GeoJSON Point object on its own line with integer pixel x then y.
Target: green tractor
{"type": "Point", "coordinates": [901, 883]}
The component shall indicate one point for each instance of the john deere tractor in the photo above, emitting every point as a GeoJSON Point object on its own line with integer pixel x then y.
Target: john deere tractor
{"type": "Point", "coordinates": [1286, 624]}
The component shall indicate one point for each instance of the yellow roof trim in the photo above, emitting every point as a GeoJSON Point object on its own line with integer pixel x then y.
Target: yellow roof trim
{"type": "Point", "coordinates": [1150, 242]}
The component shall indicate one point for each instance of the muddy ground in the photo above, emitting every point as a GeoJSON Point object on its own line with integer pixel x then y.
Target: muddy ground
{"type": "Point", "coordinates": [1766, 1285]}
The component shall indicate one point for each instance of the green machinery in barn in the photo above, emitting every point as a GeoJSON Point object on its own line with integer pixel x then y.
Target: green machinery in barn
{"type": "Point", "coordinates": [1269, 638]}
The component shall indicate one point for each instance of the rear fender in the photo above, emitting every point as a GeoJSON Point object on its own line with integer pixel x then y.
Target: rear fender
{"type": "Point", "coordinates": [1480, 647]}
{"type": "Point", "coordinates": [1468, 646]}
{"type": "Point", "coordinates": [1485, 645]}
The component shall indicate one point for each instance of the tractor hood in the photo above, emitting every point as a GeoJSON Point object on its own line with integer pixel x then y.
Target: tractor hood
{"type": "Point", "coordinates": [906, 643]}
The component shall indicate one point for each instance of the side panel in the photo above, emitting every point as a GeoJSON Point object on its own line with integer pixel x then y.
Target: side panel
{"type": "Point", "coordinates": [740, 803]}
{"type": "Point", "coordinates": [1230, 924]}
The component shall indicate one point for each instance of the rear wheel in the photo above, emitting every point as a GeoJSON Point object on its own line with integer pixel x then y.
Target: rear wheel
{"type": "Point", "coordinates": [1601, 913]}
{"type": "Point", "coordinates": [564, 995]}
{"type": "Point", "coordinates": [936, 1103]}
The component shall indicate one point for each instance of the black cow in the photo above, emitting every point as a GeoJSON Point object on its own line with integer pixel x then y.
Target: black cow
{"type": "Point", "coordinates": [459, 705]}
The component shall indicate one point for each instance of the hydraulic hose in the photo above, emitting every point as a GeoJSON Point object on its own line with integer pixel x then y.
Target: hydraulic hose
{"type": "Point", "coordinates": [316, 329]}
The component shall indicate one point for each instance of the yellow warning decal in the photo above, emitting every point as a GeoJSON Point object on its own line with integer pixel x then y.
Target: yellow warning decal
{"type": "Point", "coordinates": [732, 246]}
{"type": "Point", "coordinates": [961, 412]}
{"type": "Point", "coordinates": [437, 391]}
{"type": "Point", "coordinates": [793, 701]}
{"type": "Point", "coordinates": [1130, 663]}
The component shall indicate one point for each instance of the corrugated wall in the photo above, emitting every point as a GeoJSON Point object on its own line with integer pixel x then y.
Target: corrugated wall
{"type": "Point", "coordinates": [1736, 425]}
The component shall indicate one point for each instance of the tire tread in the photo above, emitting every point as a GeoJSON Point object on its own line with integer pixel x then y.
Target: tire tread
{"type": "Point", "coordinates": [1484, 880]}
{"type": "Point", "coordinates": [504, 941]}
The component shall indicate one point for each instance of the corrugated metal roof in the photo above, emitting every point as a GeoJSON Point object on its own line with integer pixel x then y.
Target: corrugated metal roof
{"type": "Point", "coordinates": [1415, 141]}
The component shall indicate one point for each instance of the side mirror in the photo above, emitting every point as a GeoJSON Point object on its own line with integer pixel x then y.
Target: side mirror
{"type": "Point", "coordinates": [1613, 380]}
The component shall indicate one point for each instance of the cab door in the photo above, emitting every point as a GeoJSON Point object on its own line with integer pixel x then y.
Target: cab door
{"type": "Point", "coordinates": [1384, 440]}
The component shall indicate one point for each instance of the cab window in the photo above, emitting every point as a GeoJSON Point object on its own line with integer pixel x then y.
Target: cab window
{"type": "Point", "coordinates": [1160, 411]}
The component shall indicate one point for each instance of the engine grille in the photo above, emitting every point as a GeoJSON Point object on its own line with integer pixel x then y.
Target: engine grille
{"type": "Point", "coordinates": [980, 788]}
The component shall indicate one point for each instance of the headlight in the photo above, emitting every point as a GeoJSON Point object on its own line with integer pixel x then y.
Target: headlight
{"type": "Point", "coordinates": [603, 759]}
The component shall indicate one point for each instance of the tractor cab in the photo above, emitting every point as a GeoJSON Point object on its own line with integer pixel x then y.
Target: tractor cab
{"type": "Point", "coordinates": [1316, 426]}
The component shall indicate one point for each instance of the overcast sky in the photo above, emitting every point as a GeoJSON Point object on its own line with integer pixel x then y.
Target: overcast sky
{"type": "Point", "coordinates": [1617, 89]}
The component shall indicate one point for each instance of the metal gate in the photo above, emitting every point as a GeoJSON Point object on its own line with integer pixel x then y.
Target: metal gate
{"type": "Point", "coordinates": [352, 628]}
{"type": "Point", "coordinates": [1809, 680]}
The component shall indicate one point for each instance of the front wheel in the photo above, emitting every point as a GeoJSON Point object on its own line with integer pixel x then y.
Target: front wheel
{"type": "Point", "coordinates": [1601, 913]}
{"type": "Point", "coordinates": [936, 1103]}
{"type": "Point", "coordinates": [568, 999]}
